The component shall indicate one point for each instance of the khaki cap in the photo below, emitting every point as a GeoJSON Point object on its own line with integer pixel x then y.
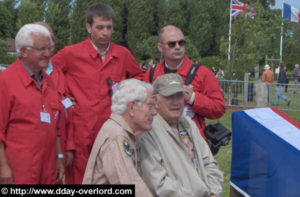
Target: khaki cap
{"type": "Point", "coordinates": [168, 84]}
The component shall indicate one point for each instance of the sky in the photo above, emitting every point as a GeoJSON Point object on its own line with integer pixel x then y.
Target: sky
{"type": "Point", "coordinates": [295, 3]}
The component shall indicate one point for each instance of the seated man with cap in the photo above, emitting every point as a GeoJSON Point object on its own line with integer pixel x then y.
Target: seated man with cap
{"type": "Point", "coordinates": [174, 159]}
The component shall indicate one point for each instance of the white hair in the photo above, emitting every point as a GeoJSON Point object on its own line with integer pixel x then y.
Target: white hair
{"type": "Point", "coordinates": [129, 90]}
{"type": "Point", "coordinates": [24, 35]}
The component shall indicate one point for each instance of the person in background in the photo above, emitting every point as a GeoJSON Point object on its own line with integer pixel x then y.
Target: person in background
{"type": "Point", "coordinates": [92, 69]}
{"type": "Point", "coordinates": [203, 98]}
{"type": "Point", "coordinates": [66, 125]}
{"type": "Point", "coordinates": [174, 159]}
{"type": "Point", "coordinates": [220, 74]}
{"type": "Point", "coordinates": [296, 78]}
{"type": "Point", "coordinates": [280, 86]}
{"type": "Point", "coordinates": [114, 158]}
{"type": "Point", "coordinates": [213, 69]}
{"type": "Point", "coordinates": [268, 77]}
{"type": "Point", "coordinates": [29, 108]}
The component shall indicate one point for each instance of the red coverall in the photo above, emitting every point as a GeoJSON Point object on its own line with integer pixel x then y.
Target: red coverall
{"type": "Point", "coordinates": [208, 101]}
{"type": "Point", "coordinates": [65, 125]}
{"type": "Point", "coordinates": [30, 145]}
{"type": "Point", "coordinates": [89, 81]}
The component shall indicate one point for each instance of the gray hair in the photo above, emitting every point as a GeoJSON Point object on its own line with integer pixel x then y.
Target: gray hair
{"type": "Point", "coordinates": [129, 90]}
{"type": "Point", "coordinates": [23, 37]}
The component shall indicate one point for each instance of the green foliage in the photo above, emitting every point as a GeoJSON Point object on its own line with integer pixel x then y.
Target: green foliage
{"type": "Point", "coordinates": [146, 49]}
{"type": "Point", "coordinates": [210, 61]}
{"type": "Point", "coordinates": [57, 16]}
{"type": "Point", "coordinates": [5, 21]}
{"type": "Point", "coordinates": [29, 12]}
{"type": "Point", "coordinates": [139, 23]}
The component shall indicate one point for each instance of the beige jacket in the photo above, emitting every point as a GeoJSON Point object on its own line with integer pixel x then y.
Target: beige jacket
{"type": "Point", "coordinates": [113, 159]}
{"type": "Point", "coordinates": [166, 167]}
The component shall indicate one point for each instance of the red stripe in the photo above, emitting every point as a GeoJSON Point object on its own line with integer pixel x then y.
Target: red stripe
{"type": "Point", "coordinates": [299, 17]}
{"type": "Point", "coordinates": [286, 117]}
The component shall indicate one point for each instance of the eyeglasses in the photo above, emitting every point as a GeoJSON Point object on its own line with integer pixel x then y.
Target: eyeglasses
{"type": "Point", "coordinates": [41, 49]}
{"type": "Point", "coordinates": [172, 44]}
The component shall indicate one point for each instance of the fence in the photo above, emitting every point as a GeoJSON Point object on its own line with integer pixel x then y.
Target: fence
{"type": "Point", "coordinates": [251, 94]}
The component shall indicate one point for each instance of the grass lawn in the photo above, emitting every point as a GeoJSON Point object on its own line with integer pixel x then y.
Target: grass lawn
{"type": "Point", "coordinates": [224, 155]}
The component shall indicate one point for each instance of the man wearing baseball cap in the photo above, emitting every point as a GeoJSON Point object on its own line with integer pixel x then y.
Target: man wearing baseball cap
{"type": "Point", "coordinates": [174, 159]}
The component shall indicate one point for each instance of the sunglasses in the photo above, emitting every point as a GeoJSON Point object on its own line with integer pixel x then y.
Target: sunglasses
{"type": "Point", "coordinates": [172, 44]}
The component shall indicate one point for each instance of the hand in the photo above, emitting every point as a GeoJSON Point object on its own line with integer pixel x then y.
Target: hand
{"type": "Point", "coordinates": [188, 92]}
{"type": "Point", "coordinates": [69, 157]}
{"type": "Point", "coordinates": [6, 176]}
{"type": "Point", "coordinates": [60, 171]}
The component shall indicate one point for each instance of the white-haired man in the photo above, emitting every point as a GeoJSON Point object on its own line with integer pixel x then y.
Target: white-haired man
{"type": "Point", "coordinates": [28, 114]}
{"type": "Point", "coordinates": [174, 159]}
{"type": "Point", "coordinates": [113, 159]}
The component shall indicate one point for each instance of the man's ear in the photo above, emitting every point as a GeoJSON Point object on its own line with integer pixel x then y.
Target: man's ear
{"type": "Point", "coordinates": [88, 28]}
{"type": "Point", "coordinates": [131, 108]}
{"type": "Point", "coordinates": [159, 47]}
{"type": "Point", "coordinates": [23, 52]}
{"type": "Point", "coordinates": [155, 98]}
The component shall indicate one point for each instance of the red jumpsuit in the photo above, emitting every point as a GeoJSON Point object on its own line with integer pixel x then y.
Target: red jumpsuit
{"type": "Point", "coordinates": [208, 101]}
{"type": "Point", "coordinates": [65, 125]}
{"type": "Point", "coordinates": [89, 81]}
{"type": "Point", "coordinates": [30, 145]}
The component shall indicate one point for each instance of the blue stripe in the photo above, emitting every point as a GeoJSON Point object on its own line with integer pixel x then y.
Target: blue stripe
{"type": "Point", "coordinates": [286, 11]}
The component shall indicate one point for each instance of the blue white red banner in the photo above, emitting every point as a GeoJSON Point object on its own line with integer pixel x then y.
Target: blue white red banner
{"type": "Point", "coordinates": [291, 13]}
{"type": "Point", "coordinates": [265, 153]}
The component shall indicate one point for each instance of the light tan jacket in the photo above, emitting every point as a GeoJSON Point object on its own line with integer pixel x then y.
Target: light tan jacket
{"type": "Point", "coordinates": [113, 159]}
{"type": "Point", "coordinates": [166, 167]}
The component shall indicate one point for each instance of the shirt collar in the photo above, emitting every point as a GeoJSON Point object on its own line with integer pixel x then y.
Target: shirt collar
{"type": "Point", "coordinates": [103, 53]}
{"type": "Point", "coordinates": [49, 69]}
{"type": "Point", "coordinates": [31, 74]}
{"type": "Point", "coordinates": [177, 67]}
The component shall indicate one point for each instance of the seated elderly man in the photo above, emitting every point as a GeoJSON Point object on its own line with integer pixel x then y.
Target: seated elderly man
{"type": "Point", "coordinates": [174, 158]}
{"type": "Point", "coordinates": [113, 159]}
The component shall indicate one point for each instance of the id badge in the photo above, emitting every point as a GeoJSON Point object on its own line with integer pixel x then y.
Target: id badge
{"type": "Point", "coordinates": [45, 117]}
{"type": "Point", "coordinates": [67, 103]}
{"type": "Point", "coordinates": [115, 87]}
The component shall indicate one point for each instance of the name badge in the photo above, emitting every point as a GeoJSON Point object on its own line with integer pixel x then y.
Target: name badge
{"type": "Point", "coordinates": [187, 111]}
{"type": "Point", "coordinates": [115, 87]}
{"type": "Point", "coordinates": [67, 103]}
{"type": "Point", "coordinates": [45, 117]}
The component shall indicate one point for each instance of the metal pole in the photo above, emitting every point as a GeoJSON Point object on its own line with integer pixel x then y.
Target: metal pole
{"type": "Point", "coordinates": [229, 34]}
{"type": "Point", "coordinates": [281, 37]}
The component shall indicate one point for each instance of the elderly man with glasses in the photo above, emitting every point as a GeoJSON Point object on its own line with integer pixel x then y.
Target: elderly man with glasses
{"type": "Point", "coordinates": [203, 97]}
{"type": "Point", "coordinates": [29, 108]}
{"type": "Point", "coordinates": [114, 158]}
{"type": "Point", "coordinates": [174, 159]}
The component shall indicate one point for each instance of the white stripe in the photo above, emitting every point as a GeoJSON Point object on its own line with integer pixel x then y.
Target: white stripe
{"type": "Point", "coordinates": [276, 124]}
{"type": "Point", "coordinates": [239, 190]}
{"type": "Point", "coordinates": [294, 14]}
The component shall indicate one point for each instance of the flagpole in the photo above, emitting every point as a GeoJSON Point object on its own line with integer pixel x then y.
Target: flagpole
{"type": "Point", "coordinates": [281, 37]}
{"type": "Point", "coordinates": [229, 33]}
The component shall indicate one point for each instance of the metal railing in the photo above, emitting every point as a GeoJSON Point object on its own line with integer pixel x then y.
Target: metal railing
{"type": "Point", "coordinates": [247, 94]}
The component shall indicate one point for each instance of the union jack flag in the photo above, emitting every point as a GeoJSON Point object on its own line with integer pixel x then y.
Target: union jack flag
{"type": "Point", "coordinates": [238, 7]}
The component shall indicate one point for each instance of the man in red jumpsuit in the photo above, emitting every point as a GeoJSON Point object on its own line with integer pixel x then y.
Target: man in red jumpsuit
{"type": "Point", "coordinates": [92, 69]}
{"type": "Point", "coordinates": [203, 98]}
{"type": "Point", "coordinates": [65, 118]}
{"type": "Point", "coordinates": [29, 139]}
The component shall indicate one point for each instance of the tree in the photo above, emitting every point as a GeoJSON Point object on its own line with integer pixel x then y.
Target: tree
{"type": "Point", "coordinates": [5, 22]}
{"type": "Point", "coordinates": [57, 16]}
{"type": "Point", "coordinates": [140, 23]}
{"type": "Point", "coordinates": [29, 12]}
